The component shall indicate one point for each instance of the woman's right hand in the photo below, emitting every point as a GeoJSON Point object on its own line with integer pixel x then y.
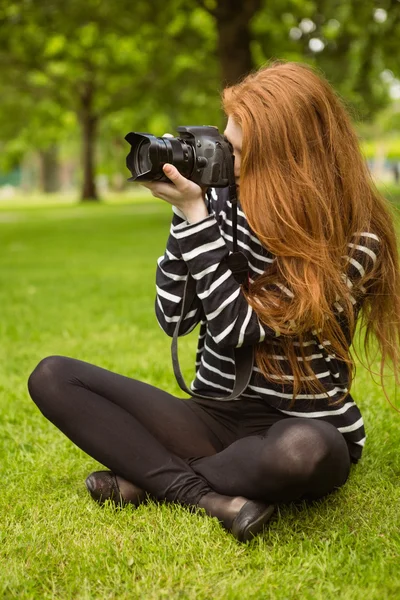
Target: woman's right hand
{"type": "Point", "coordinates": [186, 195]}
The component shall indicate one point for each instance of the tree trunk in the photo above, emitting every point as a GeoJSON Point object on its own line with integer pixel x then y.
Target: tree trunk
{"type": "Point", "coordinates": [233, 18]}
{"type": "Point", "coordinates": [88, 121]}
{"type": "Point", "coordinates": [49, 170]}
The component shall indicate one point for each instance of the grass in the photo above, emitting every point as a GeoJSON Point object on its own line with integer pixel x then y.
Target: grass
{"type": "Point", "coordinates": [79, 281]}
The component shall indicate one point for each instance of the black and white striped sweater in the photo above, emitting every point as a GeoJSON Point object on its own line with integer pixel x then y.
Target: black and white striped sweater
{"type": "Point", "coordinates": [227, 321]}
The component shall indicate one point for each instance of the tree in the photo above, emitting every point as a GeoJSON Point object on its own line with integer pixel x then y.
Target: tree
{"type": "Point", "coordinates": [97, 59]}
{"type": "Point", "coordinates": [351, 41]}
{"type": "Point", "coordinates": [234, 36]}
{"type": "Point", "coordinates": [105, 69]}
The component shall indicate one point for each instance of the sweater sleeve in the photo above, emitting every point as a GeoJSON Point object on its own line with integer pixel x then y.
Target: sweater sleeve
{"type": "Point", "coordinates": [230, 320]}
{"type": "Point", "coordinates": [359, 265]}
{"type": "Point", "coordinates": [171, 276]}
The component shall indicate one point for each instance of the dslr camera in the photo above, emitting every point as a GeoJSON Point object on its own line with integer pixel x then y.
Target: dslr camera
{"type": "Point", "coordinates": [200, 153]}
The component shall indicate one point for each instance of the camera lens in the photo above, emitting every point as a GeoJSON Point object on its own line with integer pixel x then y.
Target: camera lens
{"type": "Point", "coordinates": [143, 157]}
{"type": "Point", "coordinates": [149, 154]}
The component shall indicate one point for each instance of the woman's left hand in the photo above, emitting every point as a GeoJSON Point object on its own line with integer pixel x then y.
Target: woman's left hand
{"type": "Point", "coordinates": [184, 194]}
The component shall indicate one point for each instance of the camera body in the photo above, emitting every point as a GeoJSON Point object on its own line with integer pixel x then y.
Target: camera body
{"type": "Point", "coordinates": [200, 153]}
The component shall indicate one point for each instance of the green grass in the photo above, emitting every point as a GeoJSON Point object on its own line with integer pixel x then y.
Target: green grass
{"type": "Point", "coordinates": [79, 281]}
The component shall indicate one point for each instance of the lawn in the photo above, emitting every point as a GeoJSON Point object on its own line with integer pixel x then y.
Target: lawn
{"type": "Point", "coordinates": [79, 281]}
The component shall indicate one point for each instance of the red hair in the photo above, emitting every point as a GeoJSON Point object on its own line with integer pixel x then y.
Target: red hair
{"type": "Point", "coordinates": [306, 191]}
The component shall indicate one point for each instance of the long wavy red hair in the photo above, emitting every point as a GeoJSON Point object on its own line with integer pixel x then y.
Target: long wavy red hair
{"type": "Point", "coordinates": [306, 191]}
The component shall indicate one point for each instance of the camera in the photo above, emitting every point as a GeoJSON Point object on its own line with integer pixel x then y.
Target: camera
{"type": "Point", "coordinates": [200, 153]}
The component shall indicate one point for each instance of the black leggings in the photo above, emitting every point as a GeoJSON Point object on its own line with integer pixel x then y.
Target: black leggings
{"type": "Point", "coordinates": [178, 450]}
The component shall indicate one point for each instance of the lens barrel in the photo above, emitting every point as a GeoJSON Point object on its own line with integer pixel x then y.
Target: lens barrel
{"type": "Point", "coordinates": [149, 153]}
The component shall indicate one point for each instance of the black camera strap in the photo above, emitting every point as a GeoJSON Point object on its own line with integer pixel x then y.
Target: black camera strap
{"type": "Point", "coordinates": [237, 262]}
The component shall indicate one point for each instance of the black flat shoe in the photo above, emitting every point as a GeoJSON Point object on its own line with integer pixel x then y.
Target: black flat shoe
{"type": "Point", "coordinates": [251, 520]}
{"type": "Point", "coordinates": [242, 517]}
{"type": "Point", "coordinates": [105, 485]}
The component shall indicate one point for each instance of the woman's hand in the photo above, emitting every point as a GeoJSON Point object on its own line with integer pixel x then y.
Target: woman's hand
{"type": "Point", "coordinates": [183, 193]}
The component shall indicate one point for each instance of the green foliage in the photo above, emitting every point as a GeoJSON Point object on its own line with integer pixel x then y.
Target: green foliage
{"type": "Point", "coordinates": [68, 64]}
{"type": "Point", "coordinates": [352, 54]}
{"type": "Point", "coordinates": [154, 65]}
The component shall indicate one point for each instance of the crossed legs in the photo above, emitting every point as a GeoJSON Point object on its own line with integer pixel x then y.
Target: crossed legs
{"type": "Point", "coordinates": [156, 441]}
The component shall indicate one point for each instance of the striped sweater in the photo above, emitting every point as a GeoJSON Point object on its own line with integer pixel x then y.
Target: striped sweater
{"type": "Point", "coordinates": [227, 321]}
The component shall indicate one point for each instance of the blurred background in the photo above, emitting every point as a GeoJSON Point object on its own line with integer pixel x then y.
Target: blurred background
{"type": "Point", "coordinates": [76, 76]}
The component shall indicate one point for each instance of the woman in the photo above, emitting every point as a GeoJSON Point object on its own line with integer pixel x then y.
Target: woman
{"type": "Point", "coordinates": [322, 252]}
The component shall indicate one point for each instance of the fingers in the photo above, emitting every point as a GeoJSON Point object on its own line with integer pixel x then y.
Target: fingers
{"type": "Point", "coordinates": [180, 182]}
{"type": "Point", "coordinates": [180, 193]}
{"type": "Point", "coordinates": [165, 191]}
{"type": "Point", "coordinates": [168, 135]}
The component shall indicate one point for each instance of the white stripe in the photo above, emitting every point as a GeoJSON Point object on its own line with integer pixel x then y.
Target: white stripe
{"type": "Point", "coordinates": [193, 230]}
{"type": "Point", "coordinates": [215, 370]}
{"type": "Point", "coordinates": [192, 326]}
{"type": "Point", "coordinates": [365, 250]}
{"type": "Point", "coordinates": [285, 289]}
{"type": "Point", "coordinates": [361, 442]}
{"type": "Point", "coordinates": [306, 378]}
{"type": "Point", "coordinates": [178, 212]}
{"type": "Point", "coordinates": [225, 332]}
{"type": "Point", "coordinates": [167, 295]}
{"type": "Point", "coordinates": [219, 356]}
{"type": "Point", "coordinates": [215, 285]}
{"type": "Point", "coordinates": [171, 232]}
{"type": "Point", "coordinates": [246, 247]}
{"type": "Point", "coordinates": [346, 280]}
{"type": "Point", "coordinates": [349, 284]}
{"type": "Point", "coordinates": [299, 358]}
{"type": "Point", "coordinates": [170, 255]}
{"type": "Point", "coordinates": [225, 303]}
{"type": "Point", "coordinates": [204, 248]}
{"type": "Point", "coordinates": [320, 413]}
{"type": "Point", "coordinates": [255, 269]}
{"type": "Point", "coordinates": [240, 228]}
{"type": "Point", "coordinates": [190, 314]}
{"type": "Point", "coordinates": [262, 333]}
{"type": "Point", "coordinates": [244, 326]}
{"type": "Point", "coordinates": [352, 427]}
{"type": "Point", "coordinates": [369, 235]}
{"type": "Point", "coordinates": [215, 385]}
{"type": "Point", "coordinates": [311, 342]}
{"type": "Point", "coordinates": [356, 264]}
{"type": "Point", "coordinates": [214, 194]}
{"type": "Point", "coordinates": [271, 392]}
{"type": "Point", "coordinates": [239, 212]}
{"type": "Point", "coordinates": [180, 226]}
{"type": "Point", "coordinates": [207, 271]}
{"type": "Point", "coordinates": [171, 275]}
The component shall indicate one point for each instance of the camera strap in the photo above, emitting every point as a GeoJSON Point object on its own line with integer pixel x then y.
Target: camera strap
{"type": "Point", "coordinates": [237, 262]}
